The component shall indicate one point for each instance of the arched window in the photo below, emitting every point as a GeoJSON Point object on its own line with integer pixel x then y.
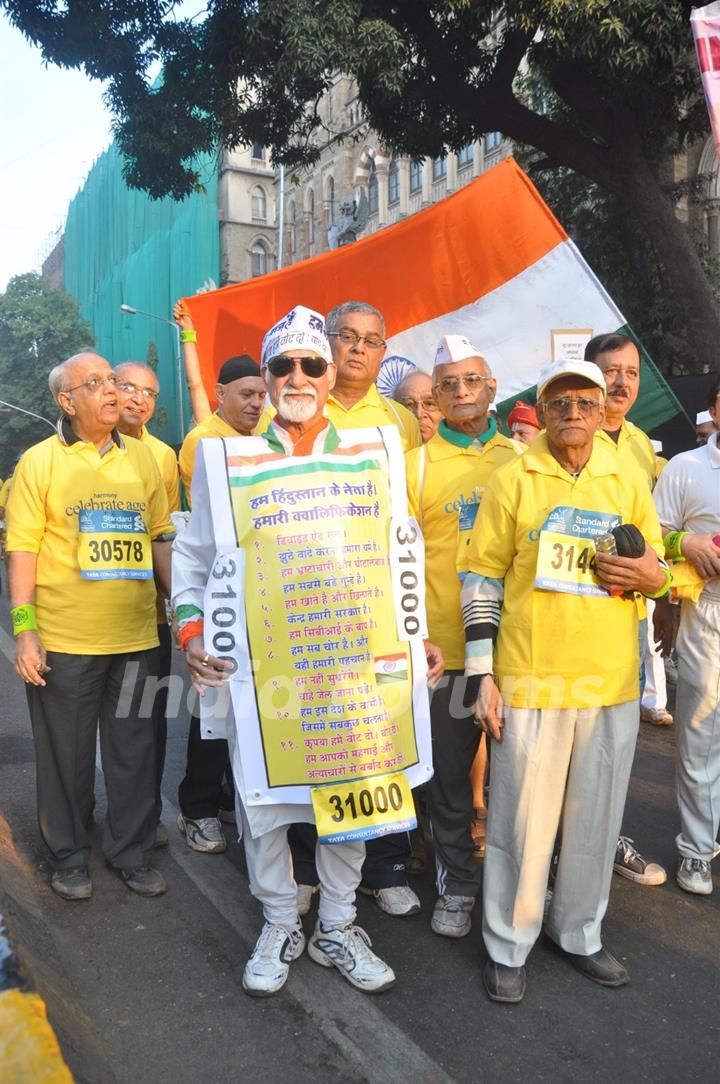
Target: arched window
{"type": "Point", "coordinates": [393, 183]}
{"type": "Point", "coordinates": [373, 192]}
{"type": "Point", "coordinates": [292, 229]}
{"type": "Point", "coordinates": [439, 167]}
{"type": "Point", "coordinates": [259, 258]}
{"type": "Point", "coordinates": [259, 204]}
{"type": "Point", "coordinates": [330, 200]}
{"type": "Point", "coordinates": [310, 212]}
{"type": "Point", "coordinates": [416, 176]}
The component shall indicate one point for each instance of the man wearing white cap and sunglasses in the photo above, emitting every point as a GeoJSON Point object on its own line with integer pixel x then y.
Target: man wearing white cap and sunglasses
{"type": "Point", "coordinates": [552, 629]}
{"type": "Point", "coordinates": [298, 370]}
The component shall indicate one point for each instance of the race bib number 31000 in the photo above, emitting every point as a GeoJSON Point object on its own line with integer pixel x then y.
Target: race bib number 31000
{"type": "Point", "coordinates": [363, 808]}
{"type": "Point", "coordinates": [113, 544]}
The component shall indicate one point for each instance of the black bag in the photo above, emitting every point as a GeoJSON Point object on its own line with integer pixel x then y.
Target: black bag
{"type": "Point", "coordinates": [629, 540]}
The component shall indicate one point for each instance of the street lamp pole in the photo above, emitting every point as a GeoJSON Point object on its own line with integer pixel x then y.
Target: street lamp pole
{"type": "Point", "coordinates": [131, 310]}
{"type": "Point", "coordinates": [14, 406]}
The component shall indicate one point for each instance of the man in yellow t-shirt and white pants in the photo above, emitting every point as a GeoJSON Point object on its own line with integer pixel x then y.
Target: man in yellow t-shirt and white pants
{"type": "Point", "coordinates": [558, 690]}
{"type": "Point", "coordinates": [88, 527]}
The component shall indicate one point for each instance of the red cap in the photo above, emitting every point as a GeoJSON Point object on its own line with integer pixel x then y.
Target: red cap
{"type": "Point", "coordinates": [523, 412]}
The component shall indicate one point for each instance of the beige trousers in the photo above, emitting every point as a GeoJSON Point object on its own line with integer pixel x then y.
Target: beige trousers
{"type": "Point", "coordinates": [555, 770]}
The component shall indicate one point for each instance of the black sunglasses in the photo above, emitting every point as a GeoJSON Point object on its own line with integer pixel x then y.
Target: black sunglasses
{"type": "Point", "coordinates": [283, 365]}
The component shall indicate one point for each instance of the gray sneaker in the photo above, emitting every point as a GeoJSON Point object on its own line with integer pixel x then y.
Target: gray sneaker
{"type": "Point", "coordinates": [72, 884]}
{"type": "Point", "coordinates": [693, 875]}
{"type": "Point", "coordinates": [203, 835]}
{"type": "Point", "coordinates": [451, 916]}
{"type": "Point", "coordinates": [630, 863]}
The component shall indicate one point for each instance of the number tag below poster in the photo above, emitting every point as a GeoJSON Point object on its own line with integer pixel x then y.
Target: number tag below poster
{"type": "Point", "coordinates": [113, 544]}
{"type": "Point", "coordinates": [364, 808]}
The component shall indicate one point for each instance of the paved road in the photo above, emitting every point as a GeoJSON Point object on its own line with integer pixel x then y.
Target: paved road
{"type": "Point", "coordinates": [149, 991]}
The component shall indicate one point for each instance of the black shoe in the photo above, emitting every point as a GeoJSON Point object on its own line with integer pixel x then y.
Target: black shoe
{"type": "Point", "coordinates": [601, 967]}
{"type": "Point", "coordinates": [144, 880]}
{"type": "Point", "coordinates": [504, 983]}
{"type": "Point", "coordinates": [72, 884]}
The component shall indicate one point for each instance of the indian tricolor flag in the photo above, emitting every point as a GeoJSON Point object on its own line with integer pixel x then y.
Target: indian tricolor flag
{"type": "Point", "coordinates": [490, 262]}
{"type": "Point", "coordinates": [391, 668]}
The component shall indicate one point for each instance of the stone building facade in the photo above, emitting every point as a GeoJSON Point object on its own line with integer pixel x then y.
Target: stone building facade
{"type": "Point", "coordinates": [351, 157]}
{"type": "Point", "coordinates": [246, 213]}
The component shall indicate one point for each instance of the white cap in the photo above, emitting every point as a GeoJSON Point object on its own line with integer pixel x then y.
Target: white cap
{"type": "Point", "coordinates": [703, 416]}
{"type": "Point", "coordinates": [586, 369]}
{"type": "Point", "coordinates": [657, 446]}
{"type": "Point", "coordinates": [300, 329]}
{"type": "Point", "coordinates": [455, 348]}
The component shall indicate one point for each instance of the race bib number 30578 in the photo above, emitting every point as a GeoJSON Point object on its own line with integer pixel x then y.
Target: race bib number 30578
{"type": "Point", "coordinates": [113, 544]}
{"type": "Point", "coordinates": [364, 808]}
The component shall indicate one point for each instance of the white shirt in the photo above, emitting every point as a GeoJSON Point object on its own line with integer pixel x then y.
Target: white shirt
{"type": "Point", "coordinates": [687, 496]}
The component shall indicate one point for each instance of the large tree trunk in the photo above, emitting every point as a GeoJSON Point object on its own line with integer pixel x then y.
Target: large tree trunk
{"type": "Point", "coordinates": [688, 294]}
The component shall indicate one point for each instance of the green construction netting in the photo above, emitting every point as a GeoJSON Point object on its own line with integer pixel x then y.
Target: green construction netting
{"type": "Point", "coordinates": [121, 247]}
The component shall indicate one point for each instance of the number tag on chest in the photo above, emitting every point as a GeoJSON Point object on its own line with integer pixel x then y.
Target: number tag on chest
{"type": "Point", "coordinates": [113, 544]}
{"type": "Point", "coordinates": [364, 808]}
{"type": "Point", "coordinates": [566, 551]}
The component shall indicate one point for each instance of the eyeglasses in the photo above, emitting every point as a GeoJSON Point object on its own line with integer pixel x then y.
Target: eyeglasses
{"type": "Point", "coordinates": [472, 381]}
{"type": "Point", "coordinates": [283, 365]}
{"type": "Point", "coordinates": [350, 338]}
{"type": "Point", "coordinates": [428, 404]}
{"type": "Point", "coordinates": [133, 389]}
{"type": "Point", "coordinates": [560, 406]}
{"type": "Point", "coordinates": [94, 384]}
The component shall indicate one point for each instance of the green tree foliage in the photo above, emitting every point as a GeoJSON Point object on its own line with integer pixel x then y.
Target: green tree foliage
{"type": "Point", "coordinates": [431, 73]}
{"type": "Point", "coordinates": [39, 327]}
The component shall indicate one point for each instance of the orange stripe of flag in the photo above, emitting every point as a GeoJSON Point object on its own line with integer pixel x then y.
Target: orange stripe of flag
{"type": "Point", "coordinates": [433, 262]}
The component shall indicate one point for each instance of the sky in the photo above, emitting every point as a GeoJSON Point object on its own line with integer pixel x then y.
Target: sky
{"type": "Point", "coordinates": [53, 125]}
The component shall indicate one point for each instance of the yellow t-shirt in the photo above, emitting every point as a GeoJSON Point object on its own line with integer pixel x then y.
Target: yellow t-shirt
{"type": "Point", "coordinates": [167, 464]}
{"type": "Point", "coordinates": [54, 483]}
{"type": "Point", "coordinates": [445, 487]}
{"type": "Point", "coordinates": [633, 447]}
{"type": "Point", "coordinates": [556, 649]}
{"type": "Point", "coordinates": [212, 426]}
{"type": "Point", "coordinates": [375, 409]}
{"type": "Point", "coordinates": [372, 409]}
{"type": "Point", "coordinates": [5, 492]}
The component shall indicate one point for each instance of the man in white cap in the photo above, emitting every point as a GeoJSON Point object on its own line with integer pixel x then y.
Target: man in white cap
{"type": "Point", "coordinates": [552, 654]}
{"type": "Point", "coordinates": [299, 373]}
{"type": "Point", "coordinates": [704, 426]}
{"type": "Point", "coordinates": [446, 481]}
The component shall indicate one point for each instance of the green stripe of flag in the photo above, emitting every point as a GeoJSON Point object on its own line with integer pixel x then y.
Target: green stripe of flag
{"type": "Point", "coordinates": [341, 467]}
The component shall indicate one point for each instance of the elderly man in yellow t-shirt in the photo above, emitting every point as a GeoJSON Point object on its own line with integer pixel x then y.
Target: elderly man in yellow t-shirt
{"type": "Point", "coordinates": [88, 529]}
{"type": "Point", "coordinates": [446, 479]}
{"type": "Point", "coordinates": [558, 691]}
{"type": "Point", "coordinates": [138, 389]}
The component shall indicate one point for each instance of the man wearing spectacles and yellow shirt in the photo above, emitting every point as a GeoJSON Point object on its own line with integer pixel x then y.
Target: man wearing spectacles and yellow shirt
{"type": "Point", "coordinates": [356, 331]}
{"type": "Point", "coordinates": [88, 528]}
{"type": "Point", "coordinates": [552, 668]}
{"type": "Point", "coordinates": [446, 479]}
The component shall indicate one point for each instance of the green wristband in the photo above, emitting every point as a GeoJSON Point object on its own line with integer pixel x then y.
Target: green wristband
{"type": "Point", "coordinates": [673, 545]}
{"type": "Point", "coordinates": [665, 587]}
{"type": "Point", "coordinates": [24, 619]}
{"type": "Point", "coordinates": [189, 335]}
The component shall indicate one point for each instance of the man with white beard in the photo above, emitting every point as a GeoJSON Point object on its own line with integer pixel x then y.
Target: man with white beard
{"type": "Point", "coordinates": [299, 372]}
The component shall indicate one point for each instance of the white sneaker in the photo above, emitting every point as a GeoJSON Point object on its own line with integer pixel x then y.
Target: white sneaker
{"type": "Point", "coordinates": [399, 900]}
{"type": "Point", "coordinates": [305, 894]}
{"type": "Point", "coordinates": [693, 874]}
{"type": "Point", "coordinates": [451, 916]}
{"type": "Point", "coordinates": [203, 835]}
{"type": "Point", "coordinates": [267, 969]}
{"type": "Point", "coordinates": [349, 951]}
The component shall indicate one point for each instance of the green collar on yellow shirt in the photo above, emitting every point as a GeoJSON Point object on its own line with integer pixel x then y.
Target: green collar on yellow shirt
{"type": "Point", "coordinates": [465, 440]}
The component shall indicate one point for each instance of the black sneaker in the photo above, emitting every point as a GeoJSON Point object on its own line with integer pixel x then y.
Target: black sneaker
{"type": "Point", "coordinates": [72, 884]}
{"type": "Point", "coordinates": [144, 880]}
